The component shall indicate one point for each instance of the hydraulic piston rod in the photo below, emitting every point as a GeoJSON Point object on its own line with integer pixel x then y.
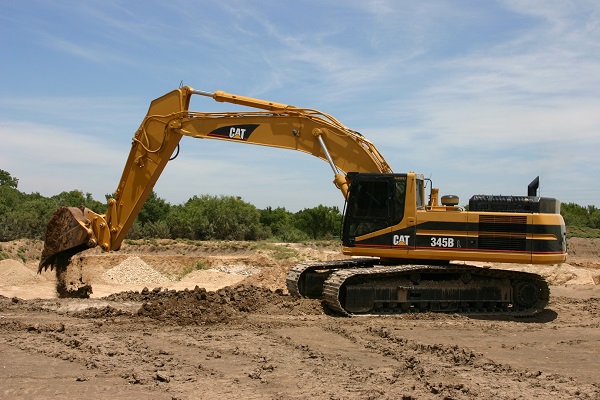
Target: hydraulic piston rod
{"type": "Point", "coordinates": [339, 179]}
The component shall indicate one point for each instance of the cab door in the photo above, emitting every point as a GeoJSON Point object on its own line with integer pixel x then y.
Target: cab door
{"type": "Point", "coordinates": [371, 211]}
{"type": "Point", "coordinates": [403, 213]}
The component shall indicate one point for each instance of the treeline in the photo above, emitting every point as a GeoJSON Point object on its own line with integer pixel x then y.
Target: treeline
{"type": "Point", "coordinates": [200, 218]}
{"type": "Point", "coordinates": [579, 216]}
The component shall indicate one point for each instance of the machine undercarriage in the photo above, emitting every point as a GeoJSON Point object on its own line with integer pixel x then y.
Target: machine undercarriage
{"type": "Point", "coordinates": [363, 286]}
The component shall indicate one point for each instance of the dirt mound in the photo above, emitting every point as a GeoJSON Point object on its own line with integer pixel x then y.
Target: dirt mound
{"type": "Point", "coordinates": [134, 270]}
{"type": "Point", "coordinates": [583, 247]}
{"type": "Point", "coordinates": [100, 312]}
{"type": "Point", "coordinates": [16, 273]}
{"type": "Point", "coordinates": [557, 275]}
{"type": "Point", "coordinates": [242, 267]}
{"type": "Point", "coordinates": [202, 307]}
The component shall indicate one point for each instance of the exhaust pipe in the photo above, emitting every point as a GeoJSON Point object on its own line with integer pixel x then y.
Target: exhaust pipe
{"type": "Point", "coordinates": [532, 188]}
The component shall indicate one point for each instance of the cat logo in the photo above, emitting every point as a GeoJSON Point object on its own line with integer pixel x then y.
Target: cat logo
{"type": "Point", "coordinates": [237, 132]}
{"type": "Point", "coordinates": [400, 240]}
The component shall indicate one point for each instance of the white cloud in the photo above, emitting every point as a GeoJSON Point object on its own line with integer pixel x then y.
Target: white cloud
{"type": "Point", "coordinates": [49, 159]}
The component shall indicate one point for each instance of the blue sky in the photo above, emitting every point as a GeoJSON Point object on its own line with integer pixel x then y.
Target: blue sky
{"type": "Point", "coordinates": [481, 96]}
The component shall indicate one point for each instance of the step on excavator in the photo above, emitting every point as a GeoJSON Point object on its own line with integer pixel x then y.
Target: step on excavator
{"type": "Point", "coordinates": [405, 253]}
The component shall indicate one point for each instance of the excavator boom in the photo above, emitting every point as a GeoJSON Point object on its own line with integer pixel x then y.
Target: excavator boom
{"type": "Point", "coordinates": [72, 230]}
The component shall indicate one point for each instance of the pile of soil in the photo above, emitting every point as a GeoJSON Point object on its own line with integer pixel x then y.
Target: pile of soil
{"type": "Point", "coordinates": [202, 307]}
{"type": "Point", "coordinates": [134, 270]}
{"type": "Point", "coordinates": [15, 273]}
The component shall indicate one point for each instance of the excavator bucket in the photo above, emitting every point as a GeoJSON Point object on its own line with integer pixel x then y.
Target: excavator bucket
{"type": "Point", "coordinates": [66, 235]}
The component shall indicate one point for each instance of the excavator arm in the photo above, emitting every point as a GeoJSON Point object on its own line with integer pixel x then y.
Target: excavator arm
{"type": "Point", "coordinates": [71, 229]}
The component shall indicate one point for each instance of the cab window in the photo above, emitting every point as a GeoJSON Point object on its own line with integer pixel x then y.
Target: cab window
{"type": "Point", "coordinates": [368, 211]}
{"type": "Point", "coordinates": [420, 193]}
{"type": "Point", "coordinates": [398, 197]}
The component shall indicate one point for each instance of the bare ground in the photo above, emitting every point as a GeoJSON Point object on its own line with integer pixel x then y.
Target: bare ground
{"type": "Point", "coordinates": [221, 325]}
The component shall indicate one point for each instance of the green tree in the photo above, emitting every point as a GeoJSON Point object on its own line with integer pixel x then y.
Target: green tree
{"type": "Point", "coordinates": [155, 209]}
{"type": "Point", "coordinates": [191, 220]}
{"type": "Point", "coordinates": [231, 218]}
{"type": "Point", "coordinates": [271, 217]}
{"type": "Point", "coordinates": [76, 198]}
{"type": "Point", "coordinates": [27, 219]}
{"type": "Point", "coordinates": [181, 223]}
{"type": "Point", "coordinates": [280, 223]}
{"type": "Point", "coordinates": [212, 217]}
{"type": "Point", "coordinates": [158, 229]}
{"type": "Point", "coordinates": [7, 180]}
{"type": "Point", "coordinates": [575, 215]}
{"type": "Point", "coordinates": [10, 198]}
{"type": "Point", "coordinates": [595, 219]}
{"type": "Point", "coordinates": [135, 232]}
{"type": "Point", "coordinates": [319, 222]}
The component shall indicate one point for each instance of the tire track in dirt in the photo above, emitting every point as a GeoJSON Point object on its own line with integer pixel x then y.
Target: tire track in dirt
{"type": "Point", "coordinates": [268, 345]}
{"type": "Point", "coordinates": [257, 356]}
{"type": "Point", "coordinates": [100, 349]}
{"type": "Point", "coordinates": [332, 367]}
{"type": "Point", "coordinates": [460, 373]}
{"type": "Point", "coordinates": [330, 360]}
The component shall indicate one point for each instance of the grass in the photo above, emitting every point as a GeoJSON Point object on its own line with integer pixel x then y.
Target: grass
{"type": "Point", "coordinates": [582, 232]}
{"type": "Point", "coordinates": [279, 252]}
{"type": "Point", "coordinates": [21, 253]}
{"type": "Point", "coordinates": [200, 265]}
{"type": "Point", "coordinates": [274, 248]}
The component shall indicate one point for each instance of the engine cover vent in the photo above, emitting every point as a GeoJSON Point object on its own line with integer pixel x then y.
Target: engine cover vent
{"type": "Point", "coordinates": [516, 204]}
{"type": "Point", "coordinates": [501, 232]}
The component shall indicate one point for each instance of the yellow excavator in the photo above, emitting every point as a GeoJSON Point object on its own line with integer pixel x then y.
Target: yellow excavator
{"type": "Point", "coordinates": [409, 253]}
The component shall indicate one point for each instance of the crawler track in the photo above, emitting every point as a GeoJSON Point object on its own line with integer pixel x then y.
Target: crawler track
{"type": "Point", "coordinates": [362, 286]}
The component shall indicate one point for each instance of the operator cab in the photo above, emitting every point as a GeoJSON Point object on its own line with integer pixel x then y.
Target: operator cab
{"type": "Point", "coordinates": [376, 202]}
